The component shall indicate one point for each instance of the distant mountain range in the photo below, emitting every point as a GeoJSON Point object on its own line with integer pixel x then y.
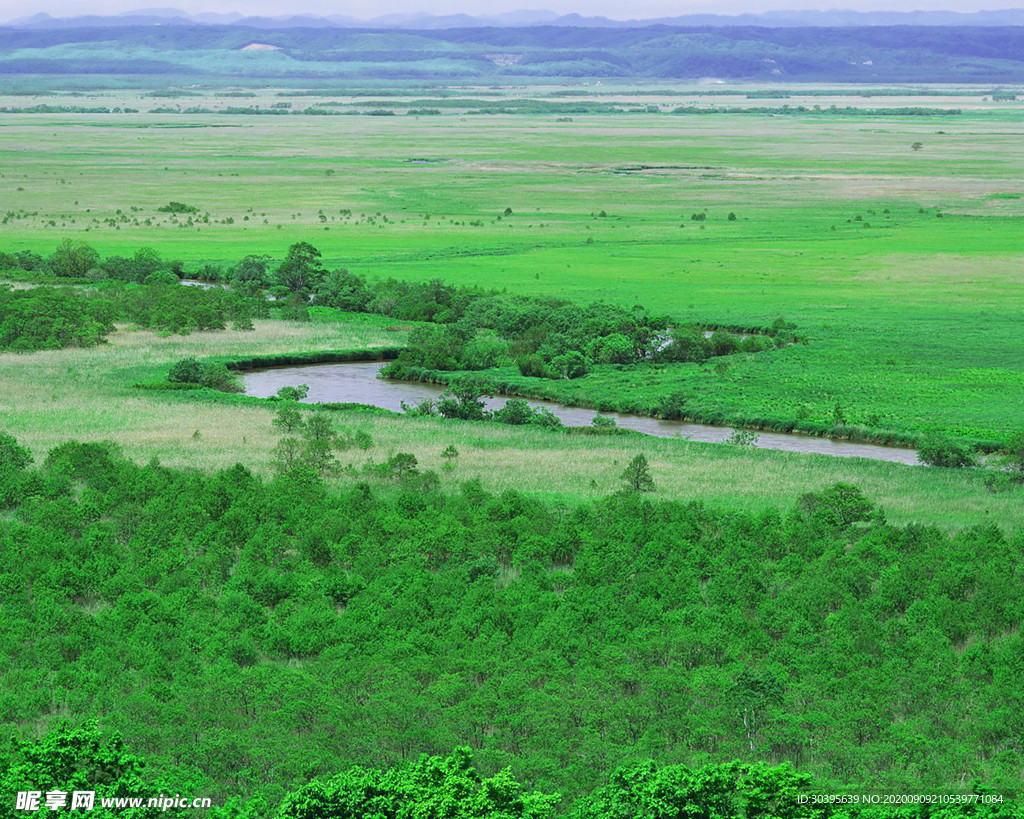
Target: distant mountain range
{"type": "Point", "coordinates": [515, 19]}
{"type": "Point", "coordinates": [164, 47]}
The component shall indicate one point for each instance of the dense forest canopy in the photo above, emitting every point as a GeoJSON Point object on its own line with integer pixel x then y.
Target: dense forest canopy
{"type": "Point", "coordinates": [262, 633]}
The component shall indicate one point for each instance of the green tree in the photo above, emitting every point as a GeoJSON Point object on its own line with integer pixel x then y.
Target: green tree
{"type": "Point", "coordinates": [69, 759]}
{"type": "Point", "coordinates": [403, 465]}
{"type": "Point", "coordinates": [293, 393]}
{"type": "Point", "coordinates": [288, 418]}
{"type": "Point", "coordinates": [145, 261]}
{"type": "Point", "coordinates": [343, 290]}
{"type": "Point", "coordinates": [251, 271]}
{"type": "Point", "coordinates": [301, 270]}
{"type": "Point", "coordinates": [516, 412]}
{"type": "Point", "coordinates": [13, 456]}
{"type": "Point", "coordinates": [73, 259]}
{"type": "Point", "coordinates": [215, 376]}
{"type": "Point", "coordinates": [638, 475]}
{"type": "Point", "coordinates": [463, 399]}
{"type": "Point", "coordinates": [287, 455]}
{"type": "Point", "coordinates": [319, 443]}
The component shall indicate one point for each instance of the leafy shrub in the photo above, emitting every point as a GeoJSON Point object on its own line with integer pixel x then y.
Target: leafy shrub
{"type": "Point", "coordinates": [673, 407]}
{"type": "Point", "coordinates": [13, 456]}
{"type": "Point", "coordinates": [516, 412]}
{"type": "Point", "coordinates": [722, 343]}
{"type": "Point", "coordinates": [533, 366]}
{"type": "Point", "coordinates": [464, 399]}
{"type": "Point", "coordinates": [215, 376]}
{"type": "Point", "coordinates": [941, 450]}
{"type": "Point", "coordinates": [178, 207]}
{"type": "Point", "coordinates": [161, 277]}
{"type": "Point", "coordinates": [743, 437]}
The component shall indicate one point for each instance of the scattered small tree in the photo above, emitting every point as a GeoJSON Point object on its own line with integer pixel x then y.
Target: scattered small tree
{"type": "Point", "coordinates": [298, 393]}
{"type": "Point", "coordinates": [423, 408]}
{"type": "Point", "coordinates": [288, 418]}
{"type": "Point", "coordinates": [402, 466]}
{"type": "Point", "coordinates": [287, 455]}
{"type": "Point", "coordinates": [638, 475]}
{"type": "Point", "coordinates": [319, 443]}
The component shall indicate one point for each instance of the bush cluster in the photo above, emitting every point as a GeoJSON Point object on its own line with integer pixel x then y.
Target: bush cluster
{"type": "Point", "coordinates": [215, 376]}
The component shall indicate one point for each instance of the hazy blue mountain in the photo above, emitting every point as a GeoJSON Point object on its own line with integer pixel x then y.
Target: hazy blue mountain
{"type": "Point", "coordinates": [535, 17]}
{"type": "Point", "coordinates": [303, 48]}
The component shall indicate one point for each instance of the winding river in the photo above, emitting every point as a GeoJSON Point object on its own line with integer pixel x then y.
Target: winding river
{"type": "Point", "coordinates": [357, 382]}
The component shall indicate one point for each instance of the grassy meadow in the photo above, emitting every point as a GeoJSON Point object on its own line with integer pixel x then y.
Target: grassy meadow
{"type": "Point", "coordinates": [900, 266]}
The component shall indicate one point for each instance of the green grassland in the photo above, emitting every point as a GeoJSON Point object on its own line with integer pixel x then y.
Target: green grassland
{"type": "Point", "coordinates": [911, 318]}
{"type": "Point", "coordinates": [90, 395]}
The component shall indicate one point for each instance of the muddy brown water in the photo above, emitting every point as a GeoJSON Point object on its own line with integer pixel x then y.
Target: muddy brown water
{"type": "Point", "coordinates": [357, 382]}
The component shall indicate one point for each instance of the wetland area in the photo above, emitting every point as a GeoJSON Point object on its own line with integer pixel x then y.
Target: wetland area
{"type": "Point", "coordinates": [312, 604]}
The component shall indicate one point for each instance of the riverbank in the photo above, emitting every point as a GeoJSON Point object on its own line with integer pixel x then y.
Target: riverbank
{"type": "Point", "coordinates": [359, 382]}
{"type": "Point", "coordinates": [87, 394]}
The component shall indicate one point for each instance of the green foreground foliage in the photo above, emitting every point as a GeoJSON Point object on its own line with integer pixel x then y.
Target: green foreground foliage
{"type": "Point", "coordinates": [83, 758]}
{"type": "Point", "coordinates": [254, 635]}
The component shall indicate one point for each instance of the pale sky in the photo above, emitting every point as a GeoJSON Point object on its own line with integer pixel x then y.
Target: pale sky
{"type": "Point", "coordinates": [637, 9]}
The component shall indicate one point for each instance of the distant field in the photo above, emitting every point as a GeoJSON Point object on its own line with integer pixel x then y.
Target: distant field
{"type": "Point", "coordinates": [900, 265]}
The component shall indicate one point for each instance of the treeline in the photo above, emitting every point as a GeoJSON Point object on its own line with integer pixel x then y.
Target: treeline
{"type": "Point", "coordinates": [43, 318]}
{"type": "Point", "coordinates": [831, 111]}
{"type": "Point", "coordinates": [142, 289]}
{"type": "Point", "coordinates": [479, 329]}
{"type": "Point", "coordinates": [476, 329]}
{"type": "Point", "coordinates": [261, 633]}
{"type": "Point", "coordinates": [554, 338]}
{"type": "Point", "coordinates": [43, 108]}
{"type": "Point", "coordinates": [49, 318]}
{"type": "Point", "coordinates": [79, 260]}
